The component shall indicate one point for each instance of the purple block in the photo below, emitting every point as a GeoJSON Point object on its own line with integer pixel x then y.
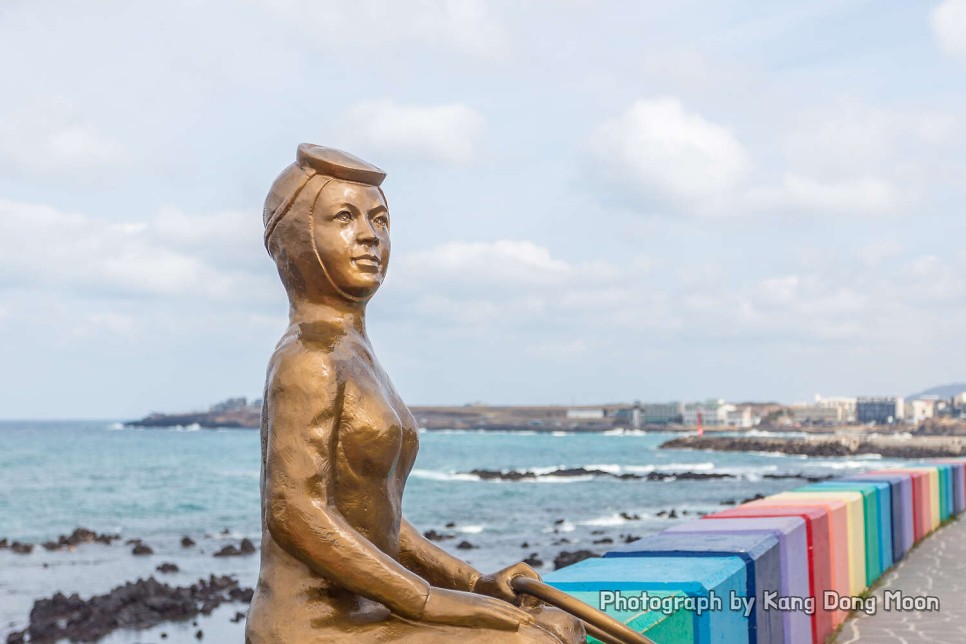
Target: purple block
{"type": "Point", "coordinates": [793, 552]}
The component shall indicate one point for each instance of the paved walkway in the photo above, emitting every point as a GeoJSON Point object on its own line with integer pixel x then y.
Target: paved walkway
{"type": "Point", "coordinates": [936, 568]}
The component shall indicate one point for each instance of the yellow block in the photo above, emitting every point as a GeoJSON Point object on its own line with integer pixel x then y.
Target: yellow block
{"type": "Point", "coordinates": [855, 511]}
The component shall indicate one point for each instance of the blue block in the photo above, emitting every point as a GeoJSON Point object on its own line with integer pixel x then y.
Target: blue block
{"type": "Point", "coordinates": [793, 553]}
{"type": "Point", "coordinates": [759, 553]}
{"type": "Point", "coordinates": [709, 577]}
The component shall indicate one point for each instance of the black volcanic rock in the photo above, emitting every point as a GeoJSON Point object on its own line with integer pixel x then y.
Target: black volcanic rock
{"type": "Point", "coordinates": [140, 604]}
{"type": "Point", "coordinates": [228, 551]}
{"type": "Point", "coordinates": [568, 558]}
{"type": "Point", "coordinates": [245, 547]}
{"type": "Point", "coordinates": [22, 548]}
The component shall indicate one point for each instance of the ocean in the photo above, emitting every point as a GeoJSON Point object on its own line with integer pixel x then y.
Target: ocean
{"type": "Point", "coordinates": [161, 484]}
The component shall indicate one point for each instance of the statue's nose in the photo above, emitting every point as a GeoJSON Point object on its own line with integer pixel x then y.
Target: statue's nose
{"type": "Point", "coordinates": [366, 234]}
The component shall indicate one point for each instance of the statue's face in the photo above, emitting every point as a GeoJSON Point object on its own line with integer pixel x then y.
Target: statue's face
{"type": "Point", "coordinates": [351, 233]}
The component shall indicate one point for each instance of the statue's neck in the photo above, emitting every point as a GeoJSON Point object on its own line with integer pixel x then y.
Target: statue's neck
{"type": "Point", "coordinates": [330, 311]}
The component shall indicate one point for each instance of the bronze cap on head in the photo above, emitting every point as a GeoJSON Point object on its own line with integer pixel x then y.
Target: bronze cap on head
{"type": "Point", "coordinates": [314, 160]}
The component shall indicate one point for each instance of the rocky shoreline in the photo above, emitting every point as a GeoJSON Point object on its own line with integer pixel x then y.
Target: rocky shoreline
{"type": "Point", "coordinates": [570, 472]}
{"type": "Point", "coordinates": [826, 446]}
{"type": "Point", "coordinates": [140, 604]}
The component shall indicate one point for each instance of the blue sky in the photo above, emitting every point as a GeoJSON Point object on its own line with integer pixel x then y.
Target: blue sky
{"type": "Point", "coordinates": [591, 201]}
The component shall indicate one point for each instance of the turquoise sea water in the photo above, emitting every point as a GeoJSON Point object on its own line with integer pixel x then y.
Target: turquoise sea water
{"type": "Point", "coordinates": [158, 485]}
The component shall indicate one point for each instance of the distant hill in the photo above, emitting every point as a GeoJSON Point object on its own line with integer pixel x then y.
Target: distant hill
{"type": "Point", "coordinates": [943, 391]}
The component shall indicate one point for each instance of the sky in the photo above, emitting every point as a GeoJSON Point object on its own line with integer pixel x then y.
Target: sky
{"type": "Point", "coordinates": [591, 201]}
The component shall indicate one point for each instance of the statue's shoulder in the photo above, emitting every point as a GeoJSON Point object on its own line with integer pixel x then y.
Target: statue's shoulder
{"type": "Point", "coordinates": [302, 365]}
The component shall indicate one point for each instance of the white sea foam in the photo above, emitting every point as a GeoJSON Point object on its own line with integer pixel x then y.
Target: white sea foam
{"type": "Point", "coordinates": [469, 529]}
{"type": "Point", "coordinates": [116, 427]}
{"type": "Point", "coordinates": [605, 521]}
{"type": "Point", "coordinates": [561, 479]}
{"type": "Point", "coordinates": [858, 462]}
{"type": "Point", "coordinates": [565, 526]}
{"type": "Point", "coordinates": [670, 468]}
{"type": "Point", "coordinates": [622, 431]}
{"type": "Point", "coordinates": [437, 475]}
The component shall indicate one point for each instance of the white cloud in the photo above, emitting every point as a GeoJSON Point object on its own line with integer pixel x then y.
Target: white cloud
{"type": "Point", "coordinates": [494, 263]}
{"type": "Point", "coordinates": [460, 25]}
{"type": "Point", "coordinates": [446, 133]}
{"type": "Point", "coordinates": [51, 138]}
{"type": "Point", "coordinates": [662, 150]}
{"type": "Point", "coordinates": [170, 255]}
{"type": "Point", "coordinates": [490, 290]}
{"type": "Point", "coordinates": [948, 22]}
{"type": "Point", "coordinates": [863, 195]}
{"type": "Point", "coordinates": [850, 159]}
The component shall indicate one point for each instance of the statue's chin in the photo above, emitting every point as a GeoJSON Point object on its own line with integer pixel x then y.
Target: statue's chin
{"type": "Point", "coordinates": [361, 293]}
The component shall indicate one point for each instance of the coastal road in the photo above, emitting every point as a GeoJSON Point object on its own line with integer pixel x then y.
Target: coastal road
{"type": "Point", "coordinates": [936, 568]}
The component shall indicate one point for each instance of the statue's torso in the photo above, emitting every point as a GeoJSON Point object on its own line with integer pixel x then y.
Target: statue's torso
{"type": "Point", "coordinates": [368, 459]}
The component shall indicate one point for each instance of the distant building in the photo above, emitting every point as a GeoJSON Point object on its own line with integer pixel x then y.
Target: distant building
{"type": "Point", "coordinates": [714, 413]}
{"type": "Point", "coordinates": [629, 416]}
{"type": "Point", "coordinates": [844, 404]}
{"type": "Point", "coordinates": [921, 409]}
{"type": "Point", "coordinates": [662, 413]}
{"type": "Point", "coordinates": [739, 417]}
{"type": "Point", "coordinates": [585, 413]}
{"type": "Point", "coordinates": [880, 410]}
{"type": "Point", "coordinates": [814, 414]}
{"type": "Point", "coordinates": [232, 404]}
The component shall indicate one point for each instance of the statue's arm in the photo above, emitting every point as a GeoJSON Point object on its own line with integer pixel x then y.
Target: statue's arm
{"type": "Point", "coordinates": [432, 563]}
{"type": "Point", "coordinates": [304, 401]}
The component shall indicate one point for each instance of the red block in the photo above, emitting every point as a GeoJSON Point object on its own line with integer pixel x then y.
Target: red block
{"type": "Point", "coordinates": [818, 532]}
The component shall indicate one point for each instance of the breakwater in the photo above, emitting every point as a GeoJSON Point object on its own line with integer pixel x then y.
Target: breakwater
{"type": "Point", "coordinates": [788, 568]}
{"type": "Point", "coordinates": [826, 446]}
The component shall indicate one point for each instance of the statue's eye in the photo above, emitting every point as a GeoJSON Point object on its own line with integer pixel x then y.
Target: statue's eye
{"type": "Point", "coordinates": [344, 215]}
{"type": "Point", "coordinates": [381, 220]}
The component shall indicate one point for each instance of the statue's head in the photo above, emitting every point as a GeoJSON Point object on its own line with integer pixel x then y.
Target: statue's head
{"type": "Point", "coordinates": [327, 226]}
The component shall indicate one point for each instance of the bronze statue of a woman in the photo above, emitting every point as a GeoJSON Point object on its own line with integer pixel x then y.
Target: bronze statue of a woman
{"type": "Point", "coordinates": [339, 562]}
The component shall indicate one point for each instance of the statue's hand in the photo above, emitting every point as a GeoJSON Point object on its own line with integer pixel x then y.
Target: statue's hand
{"type": "Point", "coordinates": [468, 609]}
{"type": "Point", "coordinates": [498, 584]}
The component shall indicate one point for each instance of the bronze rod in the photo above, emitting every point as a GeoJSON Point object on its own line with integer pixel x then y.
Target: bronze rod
{"type": "Point", "coordinates": [586, 613]}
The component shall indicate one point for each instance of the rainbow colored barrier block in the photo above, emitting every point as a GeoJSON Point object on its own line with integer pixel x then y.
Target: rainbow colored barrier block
{"type": "Point", "coordinates": [672, 600]}
{"type": "Point", "coordinates": [947, 481]}
{"type": "Point", "coordinates": [875, 523]}
{"type": "Point", "coordinates": [855, 525]}
{"type": "Point", "coordinates": [793, 552]}
{"type": "Point", "coordinates": [903, 533]}
{"type": "Point", "coordinates": [921, 503]}
{"type": "Point", "coordinates": [943, 502]}
{"type": "Point", "coordinates": [959, 486]}
{"type": "Point", "coordinates": [837, 537]}
{"type": "Point", "coordinates": [880, 494]}
{"type": "Point", "coordinates": [759, 553]}
{"type": "Point", "coordinates": [930, 495]}
{"type": "Point", "coordinates": [818, 532]}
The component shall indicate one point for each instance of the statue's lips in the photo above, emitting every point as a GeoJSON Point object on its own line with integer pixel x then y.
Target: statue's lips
{"type": "Point", "coordinates": [367, 262]}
